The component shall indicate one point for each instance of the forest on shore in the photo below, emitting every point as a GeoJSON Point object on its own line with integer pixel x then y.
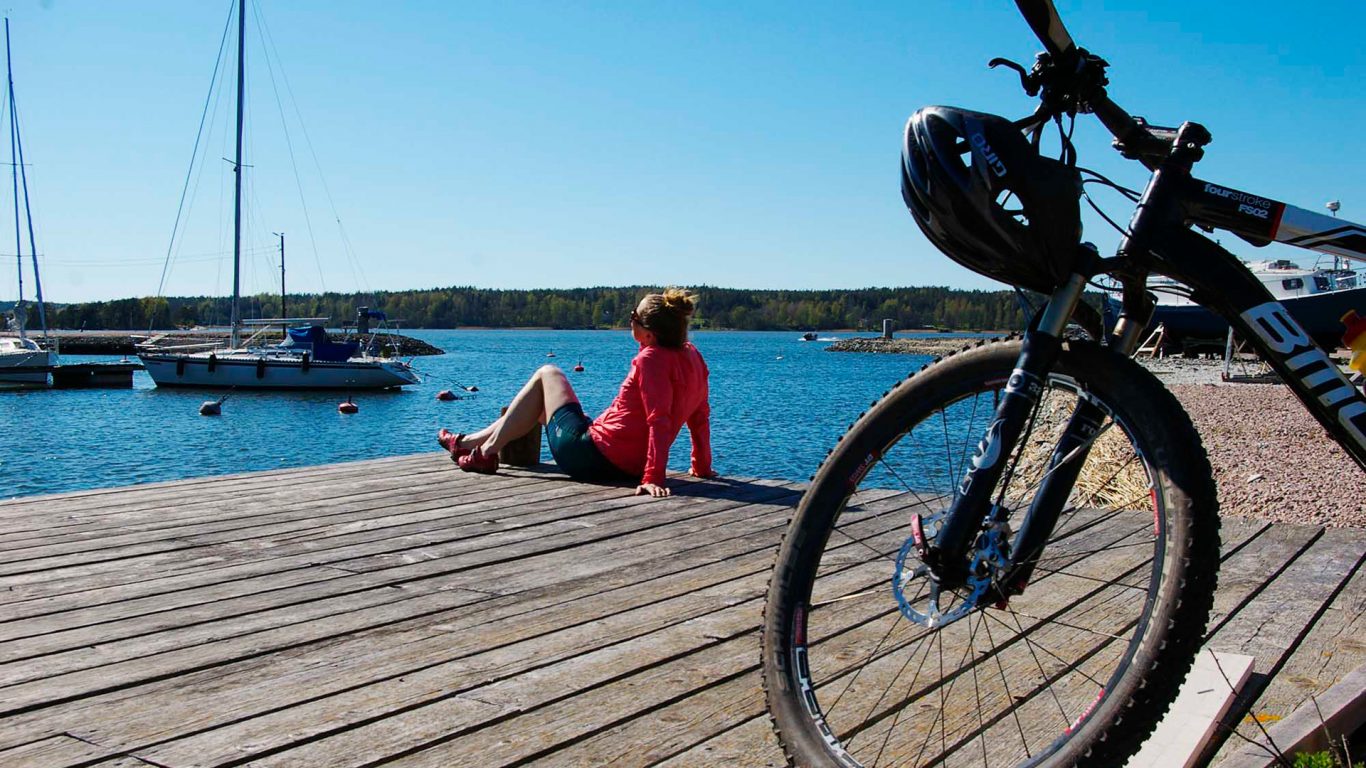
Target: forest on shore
{"type": "Point", "coordinates": [573, 308]}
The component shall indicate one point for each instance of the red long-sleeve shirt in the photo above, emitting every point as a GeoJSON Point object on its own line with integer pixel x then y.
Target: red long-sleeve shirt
{"type": "Point", "coordinates": [665, 389]}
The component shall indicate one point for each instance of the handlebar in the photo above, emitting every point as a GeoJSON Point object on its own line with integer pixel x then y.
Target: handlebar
{"type": "Point", "coordinates": [1043, 19]}
{"type": "Point", "coordinates": [1082, 76]}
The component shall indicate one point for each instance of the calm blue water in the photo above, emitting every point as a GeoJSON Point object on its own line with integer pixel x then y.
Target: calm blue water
{"type": "Point", "coordinates": [778, 404]}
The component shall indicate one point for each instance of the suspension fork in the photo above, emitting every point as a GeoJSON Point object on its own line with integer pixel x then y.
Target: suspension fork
{"type": "Point", "coordinates": [1069, 455]}
{"type": "Point", "coordinates": [946, 556]}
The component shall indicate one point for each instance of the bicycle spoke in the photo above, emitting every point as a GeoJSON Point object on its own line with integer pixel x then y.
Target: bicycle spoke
{"type": "Point", "coordinates": [899, 669]}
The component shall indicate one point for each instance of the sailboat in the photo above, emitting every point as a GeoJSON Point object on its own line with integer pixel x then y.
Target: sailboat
{"type": "Point", "coordinates": [305, 360]}
{"type": "Point", "coordinates": [23, 363]}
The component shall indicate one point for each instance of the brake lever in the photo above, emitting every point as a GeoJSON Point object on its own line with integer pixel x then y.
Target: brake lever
{"type": "Point", "coordinates": [1028, 82]}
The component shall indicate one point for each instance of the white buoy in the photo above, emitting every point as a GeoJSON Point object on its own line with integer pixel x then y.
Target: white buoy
{"type": "Point", "coordinates": [348, 407]}
{"type": "Point", "coordinates": [211, 408]}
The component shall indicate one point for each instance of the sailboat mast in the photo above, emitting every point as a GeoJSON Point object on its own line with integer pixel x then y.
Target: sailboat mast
{"type": "Point", "coordinates": [14, 168]}
{"type": "Point", "coordinates": [237, 171]}
{"type": "Point", "coordinates": [284, 311]}
{"type": "Point", "coordinates": [23, 179]}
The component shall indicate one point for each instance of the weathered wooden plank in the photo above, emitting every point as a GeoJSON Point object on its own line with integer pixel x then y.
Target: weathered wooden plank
{"type": "Point", "coordinates": [24, 694]}
{"type": "Point", "coordinates": [388, 731]}
{"type": "Point", "coordinates": [579, 629]}
{"type": "Point", "coordinates": [316, 517]}
{"type": "Point", "coordinates": [240, 509]}
{"type": "Point", "coordinates": [51, 592]}
{"type": "Point", "coordinates": [1206, 694]}
{"type": "Point", "coordinates": [1332, 649]}
{"type": "Point", "coordinates": [468, 523]}
{"type": "Point", "coordinates": [100, 644]}
{"type": "Point", "coordinates": [751, 741]}
{"type": "Point", "coordinates": [79, 628]}
{"type": "Point", "coordinates": [99, 498]}
{"type": "Point", "coordinates": [572, 702]}
{"type": "Point", "coordinates": [126, 761]}
{"type": "Point", "coordinates": [1271, 626]}
{"type": "Point", "coordinates": [53, 752]}
{"type": "Point", "coordinates": [518, 622]}
{"type": "Point", "coordinates": [60, 514]}
{"type": "Point", "coordinates": [469, 664]}
{"type": "Point", "coordinates": [710, 727]}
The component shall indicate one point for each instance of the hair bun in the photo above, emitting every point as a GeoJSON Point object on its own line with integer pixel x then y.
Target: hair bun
{"type": "Point", "coordinates": [680, 301]}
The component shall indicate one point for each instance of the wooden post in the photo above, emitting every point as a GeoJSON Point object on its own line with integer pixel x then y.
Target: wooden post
{"type": "Point", "coordinates": [525, 451]}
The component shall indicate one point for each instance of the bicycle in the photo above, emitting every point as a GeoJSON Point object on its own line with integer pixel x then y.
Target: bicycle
{"type": "Point", "coordinates": [1011, 558]}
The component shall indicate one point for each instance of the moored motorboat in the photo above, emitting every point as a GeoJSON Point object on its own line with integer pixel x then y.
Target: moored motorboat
{"type": "Point", "coordinates": [1317, 298]}
{"type": "Point", "coordinates": [24, 364]}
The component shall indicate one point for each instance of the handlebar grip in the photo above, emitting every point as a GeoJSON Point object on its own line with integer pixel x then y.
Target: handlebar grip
{"type": "Point", "coordinates": [1042, 17]}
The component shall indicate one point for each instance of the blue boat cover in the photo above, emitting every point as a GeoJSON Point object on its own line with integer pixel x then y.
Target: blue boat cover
{"type": "Point", "coordinates": [376, 314]}
{"type": "Point", "coordinates": [314, 339]}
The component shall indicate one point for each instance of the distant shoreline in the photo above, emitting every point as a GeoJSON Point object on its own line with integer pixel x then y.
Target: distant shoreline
{"type": "Point", "coordinates": [124, 342]}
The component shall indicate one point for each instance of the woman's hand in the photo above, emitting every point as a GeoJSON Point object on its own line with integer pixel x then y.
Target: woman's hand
{"type": "Point", "coordinates": [650, 489]}
{"type": "Point", "coordinates": [708, 475]}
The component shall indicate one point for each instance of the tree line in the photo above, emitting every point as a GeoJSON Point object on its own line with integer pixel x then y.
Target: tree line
{"type": "Point", "coordinates": [718, 308]}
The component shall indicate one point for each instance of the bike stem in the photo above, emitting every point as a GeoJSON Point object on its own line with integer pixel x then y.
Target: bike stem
{"type": "Point", "coordinates": [947, 555]}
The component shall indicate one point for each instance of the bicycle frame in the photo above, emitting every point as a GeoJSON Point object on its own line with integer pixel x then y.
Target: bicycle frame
{"type": "Point", "coordinates": [1159, 240]}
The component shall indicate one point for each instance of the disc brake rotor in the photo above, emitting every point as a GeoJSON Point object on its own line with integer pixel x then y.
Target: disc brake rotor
{"type": "Point", "coordinates": [918, 591]}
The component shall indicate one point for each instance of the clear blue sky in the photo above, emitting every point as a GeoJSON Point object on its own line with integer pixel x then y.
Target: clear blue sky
{"type": "Point", "coordinates": [559, 144]}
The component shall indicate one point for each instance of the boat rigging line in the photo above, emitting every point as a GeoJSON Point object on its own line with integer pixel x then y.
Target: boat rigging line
{"type": "Point", "coordinates": [189, 172]}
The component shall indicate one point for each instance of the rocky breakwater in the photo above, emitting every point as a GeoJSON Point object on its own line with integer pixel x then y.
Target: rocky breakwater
{"type": "Point", "coordinates": [935, 346]}
{"type": "Point", "coordinates": [124, 342]}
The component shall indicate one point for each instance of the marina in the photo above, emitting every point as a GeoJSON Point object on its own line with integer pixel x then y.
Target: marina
{"type": "Point", "coordinates": [396, 611]}
{"type": "Point", "coordinates": [227, 537]}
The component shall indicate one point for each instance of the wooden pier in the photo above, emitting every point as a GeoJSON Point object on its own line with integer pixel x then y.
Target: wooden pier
{"type": "Point", "coordinates": [400, 612]}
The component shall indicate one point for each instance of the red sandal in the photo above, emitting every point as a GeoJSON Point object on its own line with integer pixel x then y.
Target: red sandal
{"type": "Point", "coordinates": [451, 442]}
{"type": "Point", "coordinates": [478, 461]}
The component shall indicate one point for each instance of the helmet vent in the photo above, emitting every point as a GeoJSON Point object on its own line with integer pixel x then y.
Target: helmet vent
{"type": "Point", "coordinates": [1004, 198]}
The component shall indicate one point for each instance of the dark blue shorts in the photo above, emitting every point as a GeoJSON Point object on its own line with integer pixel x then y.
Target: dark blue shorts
{"type": "Point", "coordinates": [574, 450]}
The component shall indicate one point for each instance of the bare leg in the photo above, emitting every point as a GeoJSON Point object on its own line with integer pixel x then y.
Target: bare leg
{"type": "Point", "coordinates": [541, 396]}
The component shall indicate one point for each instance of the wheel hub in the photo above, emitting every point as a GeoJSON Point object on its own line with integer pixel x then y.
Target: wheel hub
{"type": "Point", "coordinates": [920, 594]}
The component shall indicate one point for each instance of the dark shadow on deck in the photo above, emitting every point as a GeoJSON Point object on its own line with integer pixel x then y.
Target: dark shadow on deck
{"type": "Point", "coordinates": [768, 493]}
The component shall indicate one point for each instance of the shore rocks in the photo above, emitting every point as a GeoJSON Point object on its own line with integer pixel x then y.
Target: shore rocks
{"type": "Point", "coordinates": [901, 346]}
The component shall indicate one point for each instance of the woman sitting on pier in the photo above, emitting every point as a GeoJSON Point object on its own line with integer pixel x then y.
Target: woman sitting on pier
{"type": "Point", "coordinates": [665, 389]}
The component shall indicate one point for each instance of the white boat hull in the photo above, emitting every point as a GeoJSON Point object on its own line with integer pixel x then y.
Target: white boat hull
{"type": "Point", "coordinates": [238, 370]}
{"type": "Point", "coordinates": [26, 368]}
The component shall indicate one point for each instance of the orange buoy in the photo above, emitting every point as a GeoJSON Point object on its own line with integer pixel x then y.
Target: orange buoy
{"type": "Point", "coordinates": [347, 407]}
{"type": "Point", "coordinates": [446, 395]}
{"type": "Point", "coordinates": [579, 368]}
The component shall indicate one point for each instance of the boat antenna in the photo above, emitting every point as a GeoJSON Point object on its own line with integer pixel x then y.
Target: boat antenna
{"type": "Point", "coordinates": [1333, 206]}
{"type": "Point", "coordinates": [18, 141]}
{"type": "Point", "coordinates": [237, 173]}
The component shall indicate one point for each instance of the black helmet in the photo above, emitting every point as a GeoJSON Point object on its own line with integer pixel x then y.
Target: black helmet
{"type": "Point", "coordinates": [1029, 238]}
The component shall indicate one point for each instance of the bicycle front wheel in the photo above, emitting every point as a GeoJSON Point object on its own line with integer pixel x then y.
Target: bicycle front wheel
{"type": "Point", "coordinates": [867, 662]}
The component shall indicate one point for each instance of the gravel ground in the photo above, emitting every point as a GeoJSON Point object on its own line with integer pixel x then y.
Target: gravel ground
{"type": "Point", "coordinates": [1272, 461]}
